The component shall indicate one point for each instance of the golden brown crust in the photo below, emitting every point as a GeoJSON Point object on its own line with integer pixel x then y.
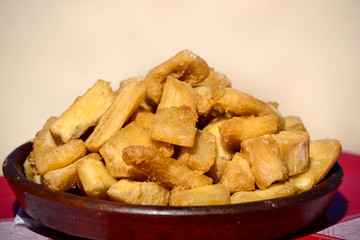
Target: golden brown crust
{"type": "Point", "coordinates": [238, 129]}
{"type": "Point", "coordinates": [223, 155]}
{"type": "Point", "coordinates": [238, 103]}
{"type": "Point", "coordinates": [294, 123]}
{"type": "Point", "coordinates": [122, 108]}
{"type": "Point", "coordinates": [62, 179]}
{"type": "Point", "coordinates": [56, 157]}
{"type": "Point", "coordinates": [164, 170]}
{"type": "Point", "coordinates": [201, 156]}
{"type": "Point", "coordinates": [177, 93]}
{"type": "Point", "coordinates": [175, 125]}
{"type": "Point", "coordinates": [323, 155]}
{"type": "Point", "coordinates": [238, 175]}
{"type": "Point", "coordinates": [216, 79]}
{"type": "Point", "coordinates": [185, 66]}
{"type": "Point", "coordinates": [111, 151]}
{"type": "Point", "coordinates": [267, 161]}
{"type": "Point", "coordinates": [84, 113]}
{"type": "Point", "coordinates": [94, 178]}
{"type": "Point", "coordinates": [276, 190]}
{"type": "Point", "coordinates": [295, 146]}
{"type": "Point", "coordinates": [215, 194]}
{"type": "Point", "coordinates": [142, 193]}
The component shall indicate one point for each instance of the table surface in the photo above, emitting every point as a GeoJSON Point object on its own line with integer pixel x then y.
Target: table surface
{"type": "Point", "coordinates": [340, 221]}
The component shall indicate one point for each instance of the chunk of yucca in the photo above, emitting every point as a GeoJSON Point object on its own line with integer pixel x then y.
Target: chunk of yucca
{"type": "Point", "coordinates": [84, 113]}
{"type": "Point", "coordinates": [223, 155]}
{"type": "Point", "coordinates": [175, 125]}
{"type": "Point", "coordinates": [267, 161]}
{"type": "Point", "coordinates": [238, 103]}
{"type": "Point", "coordinates": [42, 141]}
{"type": "Point", "coordinates": [30, 169]}
{"type": "Point", "coordinates": [323, 155]}
{"type": "Point", "coordinates": [125, 104]}
{"type": "Point", "coordinates": [295, 146]}
{"type": "Point", "coordinates": [125, 82]}
{"type": "Point", "coordinates": [94, 178]}
{"type": "Point", "coordinates": [294, 123]}
{"type": "Point", "coordinates": [62, 179]}
{"type": "Point", "coordinates": [111, 151]}
{"type": "Point", "coordinates": [237, 129]}
{"type": "Point", "coordinates": [201, 156]}
{"type": "Point", "coordinates": [276, 190]}
{"type": "Point", "coordinates": [205, 102]}
{"type": "Point", "coordinates": [56, 157]}
{"type": "Point", "coordinates": [215, 194]}
{"type": "Point", "coordinates": [43, 138]}
{"type": "Point", "coordinates": [141, 193]}
{"type": "Point", "coordinates": [164, 170]}
{"type": "Point", "coordinates": [216, 79]}
{"type": "Point", "coordinates": [185, 66]}
{"type": "Point", "coordinates": [177, 93]}
{"type": "Point", "coordinates": [145, 119]}
{"type": "Point", "coordinates": [238, 175]}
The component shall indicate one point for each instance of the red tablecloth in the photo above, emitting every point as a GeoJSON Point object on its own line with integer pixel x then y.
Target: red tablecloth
{"type": "Point", "coordinates": [341, 220]}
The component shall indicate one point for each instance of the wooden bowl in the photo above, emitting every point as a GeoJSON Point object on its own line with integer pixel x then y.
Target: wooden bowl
{"type": "Point", "coordinates": [99, 219]}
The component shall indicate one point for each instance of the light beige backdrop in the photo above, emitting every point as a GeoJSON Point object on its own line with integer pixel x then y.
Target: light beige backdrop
{"type": "Point", "coordinates": [303, 54]}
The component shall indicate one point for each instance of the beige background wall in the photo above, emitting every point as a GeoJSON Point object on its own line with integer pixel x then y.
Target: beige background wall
{"type": "Point", "coordinates": [303, 54]}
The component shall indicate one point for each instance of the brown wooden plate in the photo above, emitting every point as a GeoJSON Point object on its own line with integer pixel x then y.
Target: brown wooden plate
{"type": "Point", "coordinates": [99, 219]}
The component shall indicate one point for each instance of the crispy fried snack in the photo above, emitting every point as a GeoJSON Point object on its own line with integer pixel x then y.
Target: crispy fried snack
{"type": "Point", "coordinates": [142, 193]}
{"type": "Point", "coordinates": [215, 194]}
{"type": "Point", "coordinates": [295, 146]}
{"type": "Point", "coordinates": [215, 79]}
{"type": "Point", "coordinates": [201, 156]}
{"type": "Point", "coordinates": [205, 102]}
{"type": "Point", "coordinates": [124, 83]}
{"type": "Point", "coordinates": [41, 142]}
{"type": "Point", "coordinates": [43, 138]}
{"type": "Point", "coordinates": [267, 161]}
{"type": "Point", "coordinates": [323, 155]}
{"type": "Point", "coordinates": [94, 178]}
{"type": "Point", "coordinates": [111, 151]}
{"type": "Point", "coordinates": [185, 66]}
{"type": "Point", "coordinates": [62, 179]}
{"type": "Point", "coordinates": [294, 123]}
{"type": "Point", "coordinates": [273, 110]}
{"type": "Point", "coordinates": [52, 158]}
{"type": "Point", "coordinates": [84, 113]}
{"type": "Point", "coordinates": [30, 169]}
{"type": "Point", "coordinates": [223, 155]}
{"type": "Point", "coordinates": [164, 170]}
{"type": "Point", "coordinates": [276, 190]}
{"type": "Point", "coordinates": [49, 122]}
{"type": "Point", "coordinates": [145, 119]}
{"type": "Point", "coordinates": [122, 108]}
{"type": "Point", "coordinates": [177, 93]}
{"type": "Point", "coordinates": [238, 103]}
{"type": "Point", "coordinates": [238, 175]}
{"type": "Point", "coordinates": [179, 134]}
{"type": "Point", "coordinates": [238, 129]}
{"type": "Point", "coordinates": [175, 125]}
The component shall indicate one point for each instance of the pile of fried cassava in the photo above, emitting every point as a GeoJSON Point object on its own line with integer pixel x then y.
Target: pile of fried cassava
{"type": "Point", "coordinates": [180, 136]}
